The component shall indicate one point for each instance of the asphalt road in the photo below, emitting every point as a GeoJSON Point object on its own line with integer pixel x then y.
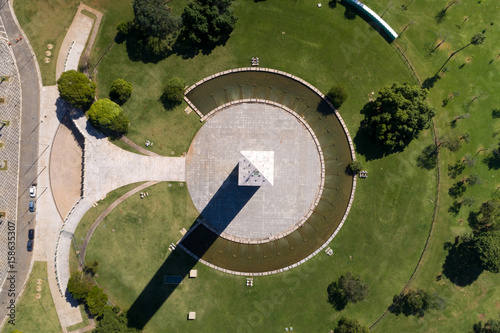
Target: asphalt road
{"type": "Point", "coordinates": [30, 150]}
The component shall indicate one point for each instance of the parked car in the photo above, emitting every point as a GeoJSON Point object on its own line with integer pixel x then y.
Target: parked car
{"type": "Point", "coordinates": [30, 245]}
{"type": "Point", "coordinates": [31, 234]}
{"type": "Point", "coordinates": [32, 206]}
{"type": "Point", "coordinates": [33, 190]}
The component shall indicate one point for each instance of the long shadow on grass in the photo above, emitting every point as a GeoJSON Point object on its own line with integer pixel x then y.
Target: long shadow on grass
{"type": "Point", "coordinates": [225, 205]}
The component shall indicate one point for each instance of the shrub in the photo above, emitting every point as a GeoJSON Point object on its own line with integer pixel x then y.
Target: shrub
{"type": "Point", "coordinates": [76, 89]}
{"type": "Point", "coordinates": [416, 303]}
{"type": "Point", "coordinates": [354, 167]}
{"type": "Point", "coordinates": [96, 300]}
{"type": "Point", "coordinates": [174, 92]}
{"type": "Point", "coordinates": [120, 91]}
{"type": "Point", "coordinates": [108, 116]}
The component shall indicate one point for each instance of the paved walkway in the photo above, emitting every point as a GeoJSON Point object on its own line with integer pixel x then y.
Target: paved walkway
{"type": "Point", "coordinates": [74, 43]}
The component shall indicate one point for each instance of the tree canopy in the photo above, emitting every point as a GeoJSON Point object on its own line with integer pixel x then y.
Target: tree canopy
{"type": "Point", "coordinates": [398, 115]}
{"type": "Point", "coordinates": [108, 116]}
{"type": "Point", "coordinates": [174, 92]}
{"type": "Point", "coordinates": [112, 320]}
{"type": "Point", "coordinates": [79, 285]}
{"type": "Point", "coordinates": [154, 18]}
{"type": "Point", "coordinates": [487, 244]}
{"type": "Point", "coordinates": [96, 300]}
{"type": "Point", "coordinates": [348, 289]}
{"type": "Point", "coordinates": [416, 303]}
{"type": "Point", "coordinates": [346, 325]}
{"type": "Point", "coordinates": [120, 91]}
{"type": "Point", "coordinates": [76, 89]}
{"type": "Point", "coordinates": [208, 22]}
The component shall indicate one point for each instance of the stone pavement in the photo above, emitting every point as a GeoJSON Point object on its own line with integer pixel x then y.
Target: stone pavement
{"type": "Point", "coordinates": [236, 212]}
{"type": "Point", "coordinates": [74, 43]}
{"type": "Point", "coordinates": [50, 222]}
{"type": "Point", "coordinates": [10, 110]}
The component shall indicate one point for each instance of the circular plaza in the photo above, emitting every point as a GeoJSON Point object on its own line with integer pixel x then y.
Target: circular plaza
{"type": "Point", "coordinates": [254, 171]}
{"type": "Point", "coordinates": [266, 172]}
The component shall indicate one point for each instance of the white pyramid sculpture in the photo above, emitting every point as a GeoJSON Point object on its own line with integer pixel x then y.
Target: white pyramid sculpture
{"type": "Point", "coordinates": [256, 168]}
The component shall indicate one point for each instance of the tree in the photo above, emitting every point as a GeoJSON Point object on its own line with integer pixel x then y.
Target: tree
{"type": "Point", "coordinates": [76, 89]}
{"type": "Point", "coordinates": [79, 285]}
{"type": "Point", "coordinates": [337, 94]}
{"type": "Point", "coordinates": [476, 40]}
{"type": "Point", "coordinates": [348, 289]}
{"type": "Point", "coordinates": [346, 325]}
{"type": "Point", "coordinates": [428, 158]}
{"type": "Point", "coordinates": [354, 167]}
{"type": "Point", "coordinates": [398, 115]}
{"type": "Point", "coordinates": [491, 326]}
{"type": "Point", "coordinates": [155, 19]}
{"type": "Point", "coordinates": [174, 92]}
{"type": "Point", "coordinates": [473, 179]}
{"type": "Point", "coordinates": [96, 300]}
{"type": "Point", "coordinates": [489, 214]}
{"type": "Point", "coordinates": [120, 91]}
{"type": "Point", "coordinates": [487, 244]}
{"type": "Point", "coordinates": [113, 320]}
{"type": "Point", "coordinates": [415, 302]}
{"type": "Point", "coordinates": [108, 116]}
{"type": "Point", "coordinates": [208, 22]}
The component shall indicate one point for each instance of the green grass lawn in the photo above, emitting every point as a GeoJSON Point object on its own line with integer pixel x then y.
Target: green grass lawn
{"type": "Point", "coordinates": [32, 314]}
{"type": "Point", "coordinates": [390, 220]}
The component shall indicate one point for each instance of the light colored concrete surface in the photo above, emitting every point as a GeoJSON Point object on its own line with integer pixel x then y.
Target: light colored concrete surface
{"type": "Point", "coordinates": [66, 165]}
{"type": "Point", "coordinates": [74, 43]}
{"type": "Point", "coordinates": [108, 167]}
{"type": "Point", "coordinates": [262, 212]}
{"type": "Point", "coordinates": [49, 222]}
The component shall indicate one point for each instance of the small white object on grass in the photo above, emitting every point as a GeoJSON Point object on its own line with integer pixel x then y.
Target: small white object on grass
{"type": "Point", "coordinates": [319, 5]}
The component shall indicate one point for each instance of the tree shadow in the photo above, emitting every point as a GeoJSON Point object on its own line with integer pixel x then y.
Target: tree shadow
{"type": "Point", "coordinates": [141, 47]}
{"type": "Point", "coordinates": [220, 211]}
{"type": "Point", "coordinates": [473, 220]}
{"type": "Point", "coordinates": [430, 81]}
{"type": "Point", "coordinates": [367, 146]}
{"type": "Point", "coordinates": [492, 161]}
{"type": "Point", "coordinates": [428, 158]}
{"type": "Point", "coordinates": [462, 265]}
{"type": "Point", "coordinates": [335, 297]}
{"type": "Point", "coordinates": [440, 16]}
{"type": "Point", "coordinates": [455, 208]}
{"type": "Point", "coordinates": [332, 4]}
{"type": "Point", "coordinates": [167, 103]}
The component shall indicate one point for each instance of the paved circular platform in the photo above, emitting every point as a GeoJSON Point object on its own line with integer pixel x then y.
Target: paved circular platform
{"type": "Point", "coordinates": [249, 213]}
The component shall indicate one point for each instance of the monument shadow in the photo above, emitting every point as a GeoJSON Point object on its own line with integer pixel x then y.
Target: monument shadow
{"type": "Point", "coordinates": [225, 205]}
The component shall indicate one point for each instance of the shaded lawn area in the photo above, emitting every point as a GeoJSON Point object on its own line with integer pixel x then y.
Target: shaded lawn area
{"type": "Point", "coordinates": [32, 314]}
{"type": "Point", "coordinates": [472, 72]}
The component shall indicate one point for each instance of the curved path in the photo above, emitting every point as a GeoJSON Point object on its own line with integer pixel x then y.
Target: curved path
{"type": "Point", "coordinates": [108, 210]}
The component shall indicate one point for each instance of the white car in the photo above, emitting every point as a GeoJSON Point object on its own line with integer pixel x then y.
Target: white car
{"type": "Point", "coordinates": [33, 191]}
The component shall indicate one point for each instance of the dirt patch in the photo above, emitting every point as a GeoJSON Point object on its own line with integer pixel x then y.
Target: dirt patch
{"type": "Point", "coordinates": [468, 60]}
